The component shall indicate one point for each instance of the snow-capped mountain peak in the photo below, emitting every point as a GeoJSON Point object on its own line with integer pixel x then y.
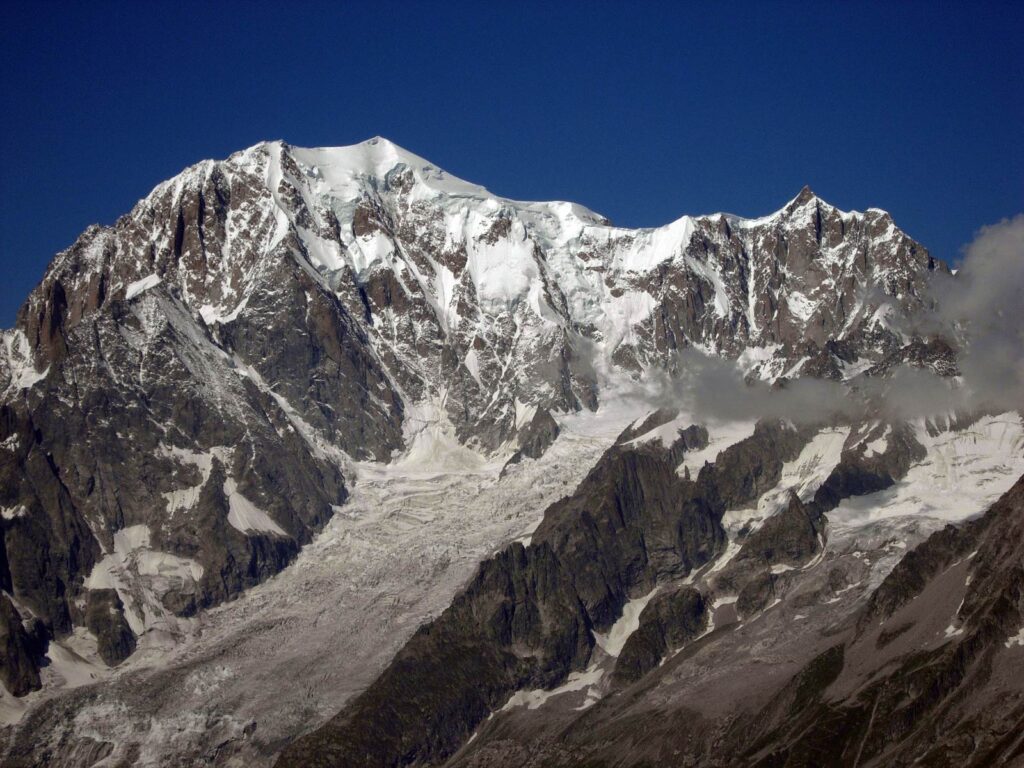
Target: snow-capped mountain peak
{"type": "Point", "coordinates": [430, 267]}
{"type": "Point", "coordinates": [294, 338]}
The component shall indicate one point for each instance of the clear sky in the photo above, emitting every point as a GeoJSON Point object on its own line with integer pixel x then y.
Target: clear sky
{"type": "Point", "coordinates": [641, 111]}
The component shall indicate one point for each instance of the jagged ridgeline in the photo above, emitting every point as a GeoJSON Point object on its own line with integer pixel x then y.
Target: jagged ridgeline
{"type": "Point", "coordinates": [193, 394]}
{"type": "Point", "coordinates": [183, 382]}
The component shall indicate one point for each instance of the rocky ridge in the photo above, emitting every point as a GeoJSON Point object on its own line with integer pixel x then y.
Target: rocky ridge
{"type": "Point", "coordinates": [634, 530]}
{"type": "Point", "coordinates": [303, 305]}
{"type": "Point", "coordinates": [873, 677]}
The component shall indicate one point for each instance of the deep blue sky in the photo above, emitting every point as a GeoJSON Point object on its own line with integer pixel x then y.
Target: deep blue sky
{"type": "Point", "coordinates": [641, 113]}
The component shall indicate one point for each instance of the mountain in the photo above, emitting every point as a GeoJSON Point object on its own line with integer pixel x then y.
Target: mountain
{"type": "Point", "coordinates": [647, 623]}
{"type": "Point", "coordinates": [296, 371]}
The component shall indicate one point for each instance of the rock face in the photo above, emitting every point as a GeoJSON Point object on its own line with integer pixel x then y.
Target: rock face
{"type": "Point", "coordinates": [937, 700]}
{"type": "Point", "coordinates": [519, 623]}
{"type": "Point", "coordinates": [632, 523]}
{"type": "Point", "coordinates": [536, 437]}
{"type": "Point", "coordinates": [874, 457]}
{"type": "Point", "coordinates": [789, 537]}
{"type": "Point", "coordinates": [636, 525]}
{"type": "Point", "coordinates": [22, 651]}
{"type": "Point", "coordinates": [670, 620]}
{"type": "Point", "coordinates": [862, 470]}
{"type": "Point", "coordinates": [104, 617]}
{"type": "Point", "coordinates": [182, 390]}
{"type": "Point", "coordinates": [888, 684]}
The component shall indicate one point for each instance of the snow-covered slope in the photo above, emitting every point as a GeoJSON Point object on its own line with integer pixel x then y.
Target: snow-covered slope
{"type": "Point", "coordinates": [190, 393]}
{"type": "Point", "coordinates": [479, 301]}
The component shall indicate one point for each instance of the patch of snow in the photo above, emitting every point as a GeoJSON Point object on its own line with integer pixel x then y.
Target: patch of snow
{"type": "Point", "coordinates": [472, 363]}
{"type": "Point", "coordinates": [622, 315]}
{"type": "Point", "coordinates": [962, 474]}
{"type": "Point", "coordinates": [213, 315]}
{"type": "Point", "coordinates": [534, 699]}
{"type": "Point", "coordinates": [141, 286]}
{"type": "Point", "coordinates": [167, 566]}
{"type": "Point", "coordinates": [666, 433]}
{"type": "Point", "coordinates": [11, 513]}
{"type": "Point", "coordinates": [800, 306]}
{"type": "Point", "coordinates": [721, 434]}
{"type": "Point", "coordinates": [432, 444]}
{"type": "Point", "coordinates": [12, 708]}
{"type": "Point", "coordinates": [16, 352]}
{"type": "Point", "coordinates": [245, 516]}
{"type": "Point", "coordinates": [878, 446]}
{"type": "Point", "coordinates": [731, 550]}
{"type": "Point", "coordinates": [654, 246]}
{"type": "Point", "coordinates": [628, 623]}
{"type": "Point", "coordinates": [851, 370]}
{"type": "Point", "coordinates": [524, 413]}
{"type": "Point", "coordinates": [183, 499]}
{"type": "Point", "coordinates": [713, 276]}
{"type": "Point", "coordinates": [796, 367]}
{"type": "Point", "coordinates": [953, 631]}
{"type": "Point", "coordinates": [802, 476]}
{"type": "Point", "coordinates": [756, 360]}
{"type": "Point", "coordinates": [70, 668]}
{"type": "Point", "coordinates": [141, 576]}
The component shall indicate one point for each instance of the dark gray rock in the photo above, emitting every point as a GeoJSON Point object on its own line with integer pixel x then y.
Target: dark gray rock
{"type": "Point", "coordinates": [868, 689]}
{"type": "Point", "coordinates": [858, 474]}
{"type": "Point", "coordinates": [535, 438]}
{"type": "Point", "coordinates": [104, 617]}
{"type": "Point", "coordinates": [789, 537]}
{"type": "Point", "coordinates": [255, 352]}
{"type": "Point", "coordinates": [104, 455]}
{"type": "Point", "coordinates": [936, 702]}
{"type": "Point", "coordinates": [668, 622]}
{"type": "Point", "coordinates": [22, 650]}
{"type": "Point", "coordinates": [518, 624]}
{"type": "Point", "coordinates": [631, 523]}
{"type": "Point", "coordinates": [654, 420]}
{"type": "Point", "coordinates": [935, 354]}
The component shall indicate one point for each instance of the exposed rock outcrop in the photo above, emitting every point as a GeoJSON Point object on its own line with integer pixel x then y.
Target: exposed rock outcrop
{"type": "Point", "coordinates": [632, 523]}
{"type": "Point", "coordinates": [535, 438]}
{"type": "Point", "coordinates": [670, 620]}
{"type": "Point", "coordinates": [519, 623]}
{"type": "Point", "coordinates": [104, 617]}
{"type": "Point", "coordinates": [887, 685]}
{"type": "Point", "coordinates": [22, 649]}
{"type": "Point", "coordinates": [201, 370]}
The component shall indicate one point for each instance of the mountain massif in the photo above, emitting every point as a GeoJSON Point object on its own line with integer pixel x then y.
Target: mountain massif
{"type": "Point", "coordinates": [326, 457]}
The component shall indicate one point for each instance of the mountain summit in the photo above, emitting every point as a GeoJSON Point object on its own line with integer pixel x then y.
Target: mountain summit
{"type": "Point", "coordinates": [315, 303]}
{"type": "Point", "coordinates": [292, 339]}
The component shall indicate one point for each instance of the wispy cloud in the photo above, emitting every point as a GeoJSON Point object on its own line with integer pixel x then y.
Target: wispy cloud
{"type": "Point", "coordinates": [985, 301]}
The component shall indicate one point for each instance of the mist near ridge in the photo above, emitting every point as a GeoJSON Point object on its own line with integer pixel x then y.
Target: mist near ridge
{"type": "Point", "coordinates": [985, 302]}
{"type": "Point", "coordinates": [979, 311]}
